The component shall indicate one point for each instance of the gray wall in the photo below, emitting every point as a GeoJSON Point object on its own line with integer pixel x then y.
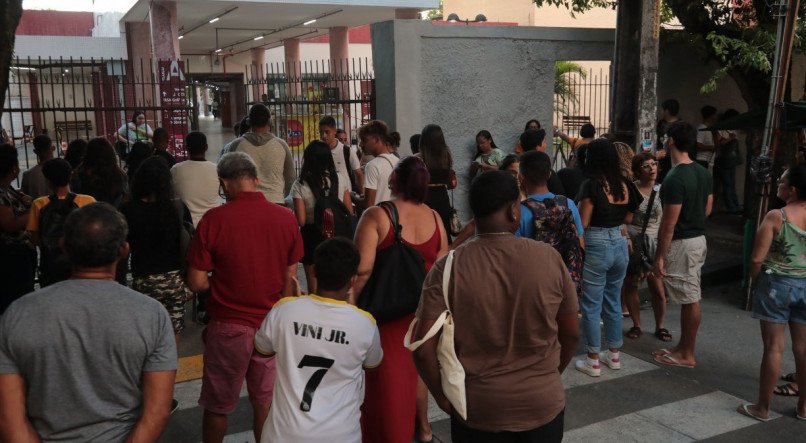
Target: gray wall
{"type": "Point", "coordinates": [468, 78]}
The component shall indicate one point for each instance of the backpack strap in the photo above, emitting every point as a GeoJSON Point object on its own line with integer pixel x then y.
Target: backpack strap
{"type": "Point", "coordinates": [391, 211]}
{"type": "Point", "coordinates": [71, 197]}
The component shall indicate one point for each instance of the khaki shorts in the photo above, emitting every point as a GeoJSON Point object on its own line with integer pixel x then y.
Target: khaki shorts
{"type": "Point", "coordinates": [683, 270]}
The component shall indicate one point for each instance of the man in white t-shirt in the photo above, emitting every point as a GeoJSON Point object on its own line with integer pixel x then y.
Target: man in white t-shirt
{"type": "Point", "coordinates": [706, 149]}
{"type": "Point", "coordinates": [327, 133]}
{"type": "Point", "coordinates": [375, 141]}
{"type": "Point", "coordinates": [196, 180]}
{"type": "Point", "coordinates": [322, 346]}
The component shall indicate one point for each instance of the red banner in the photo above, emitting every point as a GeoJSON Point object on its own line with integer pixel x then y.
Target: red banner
{"type": "Point", "coordinates": [172, 95]}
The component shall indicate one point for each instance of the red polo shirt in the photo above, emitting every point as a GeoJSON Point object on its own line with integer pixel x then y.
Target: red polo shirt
{"type": "Point", "coordinates": [248, 245]}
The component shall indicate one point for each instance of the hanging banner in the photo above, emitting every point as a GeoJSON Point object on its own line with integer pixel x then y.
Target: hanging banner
{"type": "Point", "coordinates": [172, 95]}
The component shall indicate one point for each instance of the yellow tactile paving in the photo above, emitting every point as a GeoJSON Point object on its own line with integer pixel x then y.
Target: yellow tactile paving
{"type": "Point", "coordinates": [190, 368]}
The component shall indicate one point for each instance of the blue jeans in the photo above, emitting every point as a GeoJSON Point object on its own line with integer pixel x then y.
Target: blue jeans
{"type": "Point", "coordinates": [780, 299]}
{"type": "Point", "coordinates": [727, 181]}
{"type": "Point", "coordinates": [606, 259]}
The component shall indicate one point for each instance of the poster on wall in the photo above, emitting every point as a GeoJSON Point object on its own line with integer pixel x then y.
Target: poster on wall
{"type": "Point", "coordinates": [172, 95]}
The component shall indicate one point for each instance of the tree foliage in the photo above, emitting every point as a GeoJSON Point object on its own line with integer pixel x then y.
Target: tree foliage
{"type": "Point", "coordinates": [740, 35]}
{"type": "Point", "coordinates": [435, 14]}
{"type": "Point", "coordinates": [564, 85]}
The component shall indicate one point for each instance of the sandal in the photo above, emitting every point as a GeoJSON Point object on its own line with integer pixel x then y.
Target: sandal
{"type": "Point", "coordinates": [789, 377]}
{"type": "Point", "coordinates": [663, 335]}
{"type": "Point", "coordinates": [633, 333]}
{"type": "Point", "coordinates": [787, 390]}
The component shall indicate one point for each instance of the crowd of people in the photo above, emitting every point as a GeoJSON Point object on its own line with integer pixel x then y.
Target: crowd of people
{"type": "Point", "coordinates": [396, 290]}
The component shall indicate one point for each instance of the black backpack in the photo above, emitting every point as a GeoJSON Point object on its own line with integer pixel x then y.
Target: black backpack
{"type": "Point", "coordinates": [54, 266]}
{"type": "Point", "coordinates": [394, 287]}
{"type": "Point", "coordinates": [553, 223]}
{"type": "Point", "coordinates": [330, 215]}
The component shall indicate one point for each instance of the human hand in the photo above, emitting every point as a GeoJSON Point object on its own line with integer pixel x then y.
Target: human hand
{"type": "Point", "coordinates": [659, 270]}
{"type": "Point", "coordinates": [26, 200]}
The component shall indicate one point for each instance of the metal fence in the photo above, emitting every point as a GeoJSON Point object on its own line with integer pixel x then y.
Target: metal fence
{"type": "Point", "coordinates": [68, 98]}
{"type": "Point", "coordinates": [298, 95]}
{"type": "Point", "coordinates": [587, 102]}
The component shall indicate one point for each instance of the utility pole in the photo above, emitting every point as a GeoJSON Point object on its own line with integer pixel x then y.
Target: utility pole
{"type": "Point", "coordinates": [647, 95]}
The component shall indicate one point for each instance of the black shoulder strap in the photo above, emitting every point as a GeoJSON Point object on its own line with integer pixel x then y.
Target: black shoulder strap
{"type": "Point", "coordinates": [391, 211]}
{"type": "Point", "coordinates": [648, 212]}
{"type": "Point", "coordinates": [71, 197]}
{"type": "Point", "coordinates": [346, 156]}
{"type": "Point", "coordinates": [561, 200]}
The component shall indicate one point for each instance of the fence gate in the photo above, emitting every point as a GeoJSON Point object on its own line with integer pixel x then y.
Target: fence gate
{"type": "Point", "coordinates": [299, 94]}
{"type": "Point", "coordinates": [71, 98]}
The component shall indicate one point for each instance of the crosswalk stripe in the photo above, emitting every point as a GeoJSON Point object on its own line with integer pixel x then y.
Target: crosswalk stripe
{"type": "Point", "coordinates": [695, 418]}
{"type": "Point", "coordinates": [189, 368]}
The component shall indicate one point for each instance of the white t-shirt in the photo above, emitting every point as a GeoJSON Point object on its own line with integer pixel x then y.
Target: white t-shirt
{"type": "Point", "coordinates": [322, 347]}
{"type": "Point", "coordinates": [377, 176]}
{"type": "Point", "coordinates": [706, 138]}
{"type": "Point", "coordinates": [196, 184]}
{"type": "Point", "coordinates": [303, 191]}
{"type": "Point", "coordinates": [341, 166]}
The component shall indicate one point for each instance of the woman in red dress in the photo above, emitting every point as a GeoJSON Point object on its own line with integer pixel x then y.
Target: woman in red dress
{"type": "Point", "coordinates": [391, 390]}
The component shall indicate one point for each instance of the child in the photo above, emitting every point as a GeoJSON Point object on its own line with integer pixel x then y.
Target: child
{"type": "Point", "coordinates": [322, 345]}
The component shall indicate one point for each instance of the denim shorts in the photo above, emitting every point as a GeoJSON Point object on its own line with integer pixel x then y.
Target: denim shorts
{"type": "Point", "coordinates": [780, 299]}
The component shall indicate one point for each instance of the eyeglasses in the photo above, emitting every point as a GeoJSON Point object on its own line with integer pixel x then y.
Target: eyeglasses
{"type": "Point", "coordinates": [221, 192]}
{"type": "Point", "coordinates": [649, 166]}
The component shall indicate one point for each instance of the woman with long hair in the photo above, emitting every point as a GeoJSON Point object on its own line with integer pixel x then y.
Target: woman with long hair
{"type": "Point", "coordinates": [139, 153]}
{"type": "Point", "coordinates": [645, 169]}
{"type": "Point", "coordinates": [75, 152]}
{"type": "Point", "coordinates": [488, 157]}
{"type": "Point", "coordinates": [607, 203]}
{"type": "Point", "coordinates": [437, 158]}
{"type": "Point", "coordinates": [391, 390]}
{"type": "Point", "coordinates": [17, 254]}
{"type": "Point", "coordinates": [778, 267]}
{"type": "Point", "coordinates": [155, 221]}
{"type": "Point", "coordinates": [317, 179]}
{"type": "Point", "coordinates": [99, 174]}
{"type": "Point", "coordinates": [532, 124]}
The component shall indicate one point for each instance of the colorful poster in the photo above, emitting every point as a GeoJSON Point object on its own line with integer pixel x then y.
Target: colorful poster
{"type": "Point", "coordinates": [172, 95]}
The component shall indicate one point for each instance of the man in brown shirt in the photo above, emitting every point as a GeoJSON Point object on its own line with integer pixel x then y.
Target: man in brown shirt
{"type": "Point", "coordinates": [515, 312]}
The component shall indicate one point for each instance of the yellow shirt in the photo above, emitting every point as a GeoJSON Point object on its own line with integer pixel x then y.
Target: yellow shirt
{"type": "Point", "coordinates": [38, 204]}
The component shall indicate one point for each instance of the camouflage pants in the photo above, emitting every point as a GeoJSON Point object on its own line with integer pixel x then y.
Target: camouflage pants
{"type": "Point", "coordinates": [168, 289]}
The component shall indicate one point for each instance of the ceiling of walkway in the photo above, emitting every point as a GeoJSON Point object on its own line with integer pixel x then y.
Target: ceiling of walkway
{"type": "Point", "coordinates": [240, 22]}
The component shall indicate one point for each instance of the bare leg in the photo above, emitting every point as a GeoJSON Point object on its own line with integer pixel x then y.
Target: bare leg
{"type": "Point", "coordinates": [631, 300]}
{"type": "Point", "coordinates": [310, 278]}
{"type": "Point", "coordinates": [422, 427]}
{"type": "Point", "coordinates": [658, 300]}
{"type": "Point", "coordinates": [214, 427]}
{"type": "Point", "coordinates": [689, 323]}
{"type": "Point", "coordinates": [259, 414]}
{"type": "Point", "coordinates": [798, 332]}
{"type": "Point", "coordinates": [772, 334]}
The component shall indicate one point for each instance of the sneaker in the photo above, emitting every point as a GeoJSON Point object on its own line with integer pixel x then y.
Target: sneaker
{"type": "Point", "coordinates": [608, 359]}
{"type": "Point", "coordinates": [174, 405]}
{"type": "Point", "coordinates": [588, 368]}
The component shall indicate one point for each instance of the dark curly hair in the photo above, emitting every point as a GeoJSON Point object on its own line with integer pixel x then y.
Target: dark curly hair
{"type": "Point", "coordinates": [604, 166]}
{"type": "Point", "coordinates": [153, 179]}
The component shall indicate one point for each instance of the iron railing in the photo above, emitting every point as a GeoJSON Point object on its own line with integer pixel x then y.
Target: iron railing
{"type": "Point", "coordinates": [299, 94]}
{"type": "Point", "coordinates": [69, 98]}
{"type": "Point", "coordinates": [589, 102]}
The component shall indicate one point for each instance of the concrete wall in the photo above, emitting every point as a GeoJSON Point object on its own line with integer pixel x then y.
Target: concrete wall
{"type": "Point", "coordinates": [467, 78]}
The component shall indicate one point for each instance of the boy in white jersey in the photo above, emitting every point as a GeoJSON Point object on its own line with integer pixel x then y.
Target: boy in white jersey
{"type": "Point", "coordinates": [322, 346]}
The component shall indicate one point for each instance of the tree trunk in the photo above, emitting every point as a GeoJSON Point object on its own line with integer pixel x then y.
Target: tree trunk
{"type": "Point", "coordinates": [10, 14]}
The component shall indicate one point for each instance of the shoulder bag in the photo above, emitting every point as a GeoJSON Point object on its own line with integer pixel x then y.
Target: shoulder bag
{"type": "Point", "coordinates": [646, 261]}
{"type": "Point", "coordinates": [450, 368]}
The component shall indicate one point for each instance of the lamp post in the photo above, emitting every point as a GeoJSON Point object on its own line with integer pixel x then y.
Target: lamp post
{"type": "Point", "coordinates": [454, 18]}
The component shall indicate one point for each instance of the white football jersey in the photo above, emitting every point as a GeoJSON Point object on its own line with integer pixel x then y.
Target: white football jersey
{"type": "Point", "coordinates": [322, 347]}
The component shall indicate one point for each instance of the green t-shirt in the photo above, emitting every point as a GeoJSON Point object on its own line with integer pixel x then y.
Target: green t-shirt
{"type": "Point", "coordinates": [689, 185]}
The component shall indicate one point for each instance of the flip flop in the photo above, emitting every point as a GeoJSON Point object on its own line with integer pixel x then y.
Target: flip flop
{"type": "Point", "coordinates": [660, 352]}
{"type": "Point", "coordinates": [786, 390]}
{"type": "Point", "coordinates": [633, 333]}
{"type": "Point", "coordinates": [789, 377]}
{"type": "Point", "coordinates": [668, 360]}
{"type": "Point", "coordinates": [663, 335]}
{"type": "Point", "coordinates": [744, 411]}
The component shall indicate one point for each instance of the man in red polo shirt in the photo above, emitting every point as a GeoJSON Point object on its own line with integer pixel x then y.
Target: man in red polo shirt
{"type": "Point", "coordinates": [251, 246]}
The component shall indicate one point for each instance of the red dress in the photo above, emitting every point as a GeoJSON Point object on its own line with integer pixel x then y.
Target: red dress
{"type": "Point", "coordinates": [391, 390]}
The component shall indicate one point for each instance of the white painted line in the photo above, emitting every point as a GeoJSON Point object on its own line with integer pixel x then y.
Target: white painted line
{"type": "Point", "coordinates": [629, 366]}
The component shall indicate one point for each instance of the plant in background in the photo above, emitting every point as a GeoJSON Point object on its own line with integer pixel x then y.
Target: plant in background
{"type": "Point", "coordinates": [564, 92]}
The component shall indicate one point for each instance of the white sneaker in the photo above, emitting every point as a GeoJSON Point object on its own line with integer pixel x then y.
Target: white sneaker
{"type": "Point", "coordinates": [588, 368]}
{"type": "Point", "coordinates": [612, 361]}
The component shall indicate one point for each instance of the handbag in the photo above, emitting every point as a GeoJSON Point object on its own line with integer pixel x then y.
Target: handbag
{"type": "Point", "coordinates": [455, 223]}
{"type": "Point", "coordinates": [646, 262]}
{"type": "Point", "coordinates": [393, 289]}
{"type": "Point", "coordinates": [451, 371]}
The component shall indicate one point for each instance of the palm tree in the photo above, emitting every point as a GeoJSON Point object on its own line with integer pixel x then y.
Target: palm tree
{"type": "Point", "coordinates": [564, 93]}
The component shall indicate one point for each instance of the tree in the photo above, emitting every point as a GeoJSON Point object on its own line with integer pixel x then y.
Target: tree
{"type": "Point", "coordinates": [563, 86]}
{"type": "Point", "coordinates": [739, 34]}
{"type": "Point", "coordinates": [435, 14]}
{"type": "Point", "coordinates": [10, 14]}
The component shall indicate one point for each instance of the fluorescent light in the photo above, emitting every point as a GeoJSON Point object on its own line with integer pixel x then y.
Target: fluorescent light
{"type": "Point", "coordinates": [215, 20]}
{"type": "Point", "coordinates": [66, 70]}
{"type": "Point", "coordinates": [260, 37]}
{"type": "Point", "coordinates": [23, 68]}
{"type": "Point", "coordinates": [309, 22]}
{"type": "Point", "coordinates": [181, 37]}
{"type": "Point", "coordinates": [218, 50]}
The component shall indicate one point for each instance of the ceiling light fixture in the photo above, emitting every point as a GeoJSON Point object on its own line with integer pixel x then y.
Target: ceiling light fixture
{"type": "Point", "coordinates": [181, 37]}
{"type": "Point", "coordinates": [215, 19]}
{"type": "Point", "coordinates": [218, 50]}
{"type": "Point", "coordinates": [259, 37]}
{"type": "Point", "coordinates": [284, 28]}
{"type": "Point", "coordinates": [309, 22]}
